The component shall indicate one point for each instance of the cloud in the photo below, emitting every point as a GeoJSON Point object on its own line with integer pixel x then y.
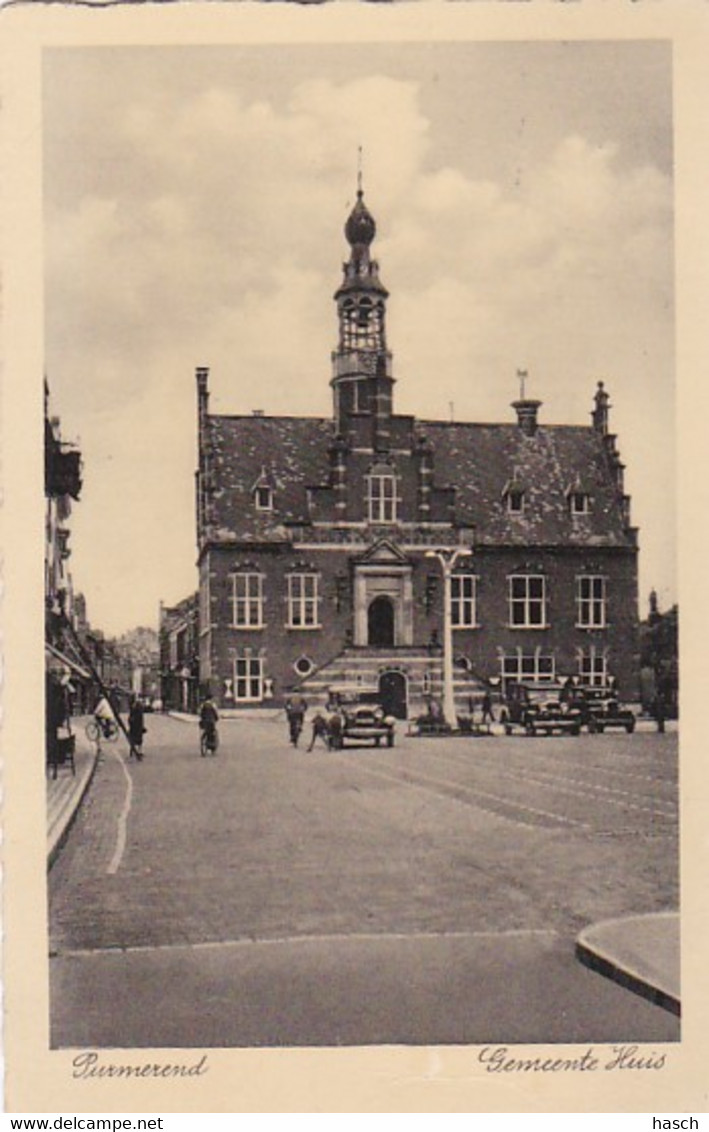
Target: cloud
{"type": "Point", "coordinates": [209, 231]}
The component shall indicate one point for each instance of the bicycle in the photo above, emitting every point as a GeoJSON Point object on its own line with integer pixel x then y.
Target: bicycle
{"type": "Point", "coordinates": [105, 729]}
{"type": "Point", "coordinates": [209, 741]}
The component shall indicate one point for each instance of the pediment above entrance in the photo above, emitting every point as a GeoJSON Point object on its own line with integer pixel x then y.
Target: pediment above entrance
{"type": "Point", "coordinates": [383, 552]}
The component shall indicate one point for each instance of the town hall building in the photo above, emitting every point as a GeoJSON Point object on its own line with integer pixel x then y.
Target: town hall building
{"type": "Point", "coordinates": [354, 548]}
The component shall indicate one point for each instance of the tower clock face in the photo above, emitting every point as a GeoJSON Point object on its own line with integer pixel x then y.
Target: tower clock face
{"type": "Point", "coordinates": [369, 363]}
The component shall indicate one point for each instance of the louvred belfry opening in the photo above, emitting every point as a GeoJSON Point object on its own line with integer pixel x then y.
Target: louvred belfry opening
{"type": "Point", "coordinates": [362, 381]}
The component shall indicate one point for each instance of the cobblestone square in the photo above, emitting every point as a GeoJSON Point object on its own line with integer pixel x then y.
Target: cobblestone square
{"type": "Point", "coordinates": [480, 839]}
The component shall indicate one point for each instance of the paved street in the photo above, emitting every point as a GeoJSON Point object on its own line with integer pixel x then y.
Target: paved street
{"type": "Point", "coordinates": [429, 893]}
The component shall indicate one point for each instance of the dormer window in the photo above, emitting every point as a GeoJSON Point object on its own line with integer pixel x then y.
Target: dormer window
{"type": "Point", "coordinates": [578, 497]}
{"type": "Point", "coordinates": [262, 491]}
{"type": "Point", "coordinates": [514, 494]}
{"type": "Point", "coordinates": [579, 503]}
{"type": "Point", "coordinates": [515, 502]}
{"type": "Point", "coordinates": [264, 499]}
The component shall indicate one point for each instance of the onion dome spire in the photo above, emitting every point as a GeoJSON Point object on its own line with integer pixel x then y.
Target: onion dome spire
{"type": "Point", "coordinates": [361, 272]}
{"type": "Point", "coordinates": [360, 228]}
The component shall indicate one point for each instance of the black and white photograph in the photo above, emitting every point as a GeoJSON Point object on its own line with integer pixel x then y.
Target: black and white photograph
{"type": "Point", "coordinates": [361, 609]}
{"type": "Point", "coordinates": [361, 584]}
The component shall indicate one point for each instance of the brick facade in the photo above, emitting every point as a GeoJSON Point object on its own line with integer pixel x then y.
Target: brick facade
{"type": "Point", "coordinates": [179, 652]}
{"type": "Point", "coordinates": [316, 535]}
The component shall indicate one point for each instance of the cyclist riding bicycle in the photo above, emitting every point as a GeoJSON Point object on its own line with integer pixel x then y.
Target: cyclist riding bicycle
{"type": "Point", "coordinates": [208, 716]}
{"type": "Point", "coordinates": [104, 716]}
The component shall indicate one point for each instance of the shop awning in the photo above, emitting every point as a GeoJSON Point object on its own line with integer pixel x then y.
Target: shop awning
{"type": "Point", "coordinates": [57, 659]}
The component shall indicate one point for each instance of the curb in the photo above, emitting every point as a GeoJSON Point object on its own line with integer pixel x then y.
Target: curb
{"type": "Point", "coordinates": [594, 948]}
{"type": "Point", "coordinates": [64, 820]}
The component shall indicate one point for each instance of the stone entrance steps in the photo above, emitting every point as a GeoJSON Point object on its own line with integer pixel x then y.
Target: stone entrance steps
{"type": "Point", "coordinates": [422, 667]}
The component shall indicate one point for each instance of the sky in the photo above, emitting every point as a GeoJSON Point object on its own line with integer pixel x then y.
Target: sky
{"type": "Point", "coordinates": [194, 202]}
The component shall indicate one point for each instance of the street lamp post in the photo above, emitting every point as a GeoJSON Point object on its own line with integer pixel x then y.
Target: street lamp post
{"type": "Point", "coordinates": [448, 558]}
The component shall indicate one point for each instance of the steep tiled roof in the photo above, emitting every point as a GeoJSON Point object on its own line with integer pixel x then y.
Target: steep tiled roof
{"type": "Point", "coordinates": [481, 459]}
{"type": "Point", "coordinates": [293, 451]}
{"type": "Point", "coordinates": [478, 459]}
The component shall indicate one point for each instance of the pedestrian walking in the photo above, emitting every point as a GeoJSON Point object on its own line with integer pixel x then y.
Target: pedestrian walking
{"type": "Point", "coordinates": [136, 727]}
{"type": "Point", "coordinates": [334, 730]}
{"type": "Point", "coordinates": [296, 708]}
{"type": "Point", "coordinates": [208, 718]}
{"type": "Point", "coordinates": [488, 713]}
{"type": "Point", "coordinates": [320, 731]}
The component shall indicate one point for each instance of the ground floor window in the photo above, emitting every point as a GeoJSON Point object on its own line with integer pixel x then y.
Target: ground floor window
{"type": "Point", "coordinates": [593, 667]}
{"type": "Point", "coordinates": [248, 678]}
{"type": "Point", "coordinates": [534, 666]}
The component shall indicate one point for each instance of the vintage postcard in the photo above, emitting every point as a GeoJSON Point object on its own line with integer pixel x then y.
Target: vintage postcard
{"type": "Point", "coordinates": [354, 484]}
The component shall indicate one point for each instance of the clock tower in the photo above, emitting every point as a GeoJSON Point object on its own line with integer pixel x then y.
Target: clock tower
{"type": "Point", "coordinates": [361, 380]}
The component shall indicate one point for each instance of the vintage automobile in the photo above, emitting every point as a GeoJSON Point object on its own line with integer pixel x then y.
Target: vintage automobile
{"type": "Point", "coordinates": [601, 709]}
{"type": "Point", "coordinates": [539, 709]}
{"type": "Point", "coordinates": [362, 716]}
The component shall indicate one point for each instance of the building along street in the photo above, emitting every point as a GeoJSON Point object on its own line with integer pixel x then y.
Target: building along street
{"type": "Point", "coordinates": [431, 893]}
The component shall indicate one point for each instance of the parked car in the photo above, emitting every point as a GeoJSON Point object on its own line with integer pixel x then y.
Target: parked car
{"type": "Point", "coordinates": [363, 717]}
{"type": "Point", "coordinates": [539, 709]}
{"type": "Point", "coordinates": [602, 709]}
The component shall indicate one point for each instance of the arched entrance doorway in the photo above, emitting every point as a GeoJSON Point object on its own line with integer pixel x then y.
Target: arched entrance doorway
{"type": "Point", "coordinates": [392, 691]}
{"type": "Point", "coordinates": [380, 622]}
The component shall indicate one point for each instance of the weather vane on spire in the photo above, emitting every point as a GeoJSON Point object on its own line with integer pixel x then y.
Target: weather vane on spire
{"type": "Point", "coordinates": [359, 170]}
{"type": "Point", "coordinates": [522, 374]}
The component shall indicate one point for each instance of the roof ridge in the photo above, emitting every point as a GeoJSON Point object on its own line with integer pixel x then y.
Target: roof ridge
{"type": "Point", "coordinates": [265, 417]}
{"type": "Point", "coordinates": [501, 424]}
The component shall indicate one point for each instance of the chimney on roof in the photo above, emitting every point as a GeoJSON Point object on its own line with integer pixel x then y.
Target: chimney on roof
{"type": "Point", "coordinates": [527, 415]}
{"type": "Point", "coordinates": [202, 375]}
{"type": "Point", "coordinates": [525, 407]}
{"type": "Point", "coordinates": [257, 412]}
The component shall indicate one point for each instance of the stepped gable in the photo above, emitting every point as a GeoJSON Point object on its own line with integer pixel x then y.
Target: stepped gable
{"type": "Point", "coordinates": [293, 450]}
{"type": "Point", "coordinates": [481, 459]}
